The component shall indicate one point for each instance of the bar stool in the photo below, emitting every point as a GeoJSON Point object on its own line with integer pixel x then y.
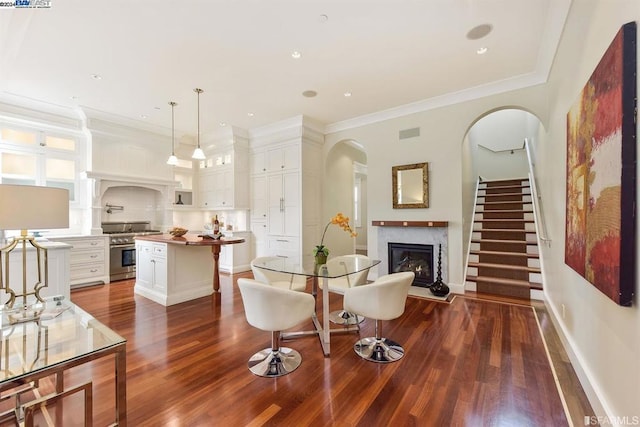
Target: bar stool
{"type": "Point", "coordinates": [273, 309]}
{"type": "Point", "coordinates": [381, 300]}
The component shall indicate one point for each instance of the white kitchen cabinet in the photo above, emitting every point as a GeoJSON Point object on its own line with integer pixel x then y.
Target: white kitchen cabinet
{"type": "Point", "coordinates": [258, 161]}
{"type": "Point", "coordinates": [58, 274]}
{"type": "Point", "coordinates": [283, 199]}
{"type": "Point", "coordinates": [259, 197]}
{"type": "Point", "coordinates": [282, 158]}
{"type": "Point", "coordinates": [152, 259]}
{"type": "Point", "coordinates": [286, 168]}
{"type": "Point", "coordinates": [236, 258]}
{"type": "Point", "coordinates": [225, 184]}
{"type": "Point", "coordinates": [170, 274]}
{"type": "Point", "coordinates": [89, 259]}
{"type": "Point", "coordinates": [259, 238]}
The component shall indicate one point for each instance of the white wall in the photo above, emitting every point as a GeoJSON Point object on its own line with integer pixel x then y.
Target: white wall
{"type": "Point", "coordinates": [441, 147]}
{"type": "Point", "coordinates": [338, 187]}
{"type": "Point", "coordinates": [499, 139]}
{"type": "Point", "coordinates": [604, 338]}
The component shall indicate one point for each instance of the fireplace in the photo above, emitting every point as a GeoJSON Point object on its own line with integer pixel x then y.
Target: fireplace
{"type": "Point", "coordinates": [412, 257]}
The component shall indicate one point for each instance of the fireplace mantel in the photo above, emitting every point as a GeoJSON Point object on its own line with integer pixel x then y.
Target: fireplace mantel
{"type": "Point", "coordinates": [409, 223]}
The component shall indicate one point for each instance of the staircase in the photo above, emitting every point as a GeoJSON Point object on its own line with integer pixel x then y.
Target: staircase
{"type": "Point", "coordinates": [503, 257]}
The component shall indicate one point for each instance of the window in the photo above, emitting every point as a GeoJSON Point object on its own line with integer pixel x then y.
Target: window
{"type": "Point", "coordinates": [357, 205]}
{"type": "Point", "coordinates": [35, 157]}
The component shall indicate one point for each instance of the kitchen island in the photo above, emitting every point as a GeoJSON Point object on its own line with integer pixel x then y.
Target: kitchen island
{"type": "Point", "coordinates": [171, 270]}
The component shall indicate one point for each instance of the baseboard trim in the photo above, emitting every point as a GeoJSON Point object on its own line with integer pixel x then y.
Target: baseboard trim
{"type": "Point", "coordinates": [594, 394]}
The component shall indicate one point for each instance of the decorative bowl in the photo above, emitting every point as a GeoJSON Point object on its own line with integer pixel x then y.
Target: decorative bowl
{"type": "Point", "coordinates": [178, 231]}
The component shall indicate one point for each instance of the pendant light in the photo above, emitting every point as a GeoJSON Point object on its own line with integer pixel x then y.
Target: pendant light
{"type": "Point", "coordinates": [198, 154]}
{"type": "Point", "coordinates": [173, 160]}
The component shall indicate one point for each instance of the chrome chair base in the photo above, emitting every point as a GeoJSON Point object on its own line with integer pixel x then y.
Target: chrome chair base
{"type": "Point", "coordinates": [269, 363]}
{"type": "Point", "coordinates": [380, 350]}
{"type": "Point", "coordinates": [341, 317]}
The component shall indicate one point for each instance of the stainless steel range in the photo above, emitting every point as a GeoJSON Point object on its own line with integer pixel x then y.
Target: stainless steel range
{"type": "Point", "coordinates": [122, 247]}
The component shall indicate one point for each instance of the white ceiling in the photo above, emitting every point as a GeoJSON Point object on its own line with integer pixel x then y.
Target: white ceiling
{"type": "Point", "coordinates": [392, 55]}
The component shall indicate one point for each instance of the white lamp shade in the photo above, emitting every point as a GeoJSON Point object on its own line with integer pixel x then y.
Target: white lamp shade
{"type": "Point", "coordinates": [172, 160]}
{"type": "Point", "coordinates": [25, 207]}
{"type": "Point", "coordinates": [198, 154]}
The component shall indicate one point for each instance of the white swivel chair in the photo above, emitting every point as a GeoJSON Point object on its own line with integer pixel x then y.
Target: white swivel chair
{"type": "Point", "coordinates": [339, 285]}
{"type": "Point", "coordinates": [295, 282]}
{"type": "Point", "coordinates": [381, 300]}
{"type": "Point", "coordinates": [273, 309]}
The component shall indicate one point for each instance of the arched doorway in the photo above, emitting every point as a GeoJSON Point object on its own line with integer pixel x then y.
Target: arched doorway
{"type": "Point", "coordinates": [498, 203]}
{"type": "Point", "coordinates": [346, 164]}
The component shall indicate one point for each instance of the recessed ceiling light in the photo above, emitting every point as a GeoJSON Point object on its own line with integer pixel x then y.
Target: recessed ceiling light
{"type": "Point", "coordinates": [223, 124]}
{"type": "Point", "coordinates": [250, 114]}
{"type": "Point", "coordinates": [323, 18]}
{"type": "Point", "coordinates": [73, 97]}
{"type": "Point", "coordinates": [309, 93]}
{"type": "Point", "coordinates": [347, 94]}
{"type": "Point", "coordinates": [143, 116]}
{"type": "Point", "coordinates": [482, 51]}
{"type": "Point", "coordinates": [479, 31]}
{"type": "Point", "coordinates": [96, 76]}
{"type": "Point", "coordinates": [295, 54]}
{"type": "Point", "coordinates": [156, 108]}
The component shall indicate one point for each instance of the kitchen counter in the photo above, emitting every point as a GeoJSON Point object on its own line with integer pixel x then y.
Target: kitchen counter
{"type": "Point", "coordinates": [171, 270]}
{"type": "Point", "coordinates": [190, 239]}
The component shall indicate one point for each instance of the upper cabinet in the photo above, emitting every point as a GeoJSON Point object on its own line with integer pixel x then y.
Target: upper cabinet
{"type": "Point", "coordinates": [223, 179]}
{"type": "Point", "coordinates": [283, 158]}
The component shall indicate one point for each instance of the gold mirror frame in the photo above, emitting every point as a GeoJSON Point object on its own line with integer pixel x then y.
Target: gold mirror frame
{"type": "Point", "coordinates": [398, 202]}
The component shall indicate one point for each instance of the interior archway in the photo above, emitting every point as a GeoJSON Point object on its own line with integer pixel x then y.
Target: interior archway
{"type": "Point", "coordinates": [499, 145]}
{"type": "Point", "coordinates": [345, 173]}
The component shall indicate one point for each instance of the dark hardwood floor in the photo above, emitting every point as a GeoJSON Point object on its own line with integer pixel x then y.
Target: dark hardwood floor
{"type": "Point", "coordinates": [468, 363]}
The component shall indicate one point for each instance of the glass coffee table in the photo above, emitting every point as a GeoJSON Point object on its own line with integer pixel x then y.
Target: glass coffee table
{"type": "Point", "coordinates": [64, 336]}
{"type": "Point", "coordinates": [322, 272]}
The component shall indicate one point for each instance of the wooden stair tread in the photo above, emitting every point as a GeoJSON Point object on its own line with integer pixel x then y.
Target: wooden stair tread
{"type": "Point", "coordinates": [513, 230]}
{"type": "Point", "coordinates": [502, 187]}
{"type": "Point", "coordinates": [505, 266]}
{"type": "Point", "coordinates": [501, 281]}
{"type": "Point", "coordinates": [502, 253]}
{"type": "Point", "coordinates": [507, 211]}
{"type": "Point", "coordinates": [502, 194]}
{"type": "Point", "coordinates": [523, 242]}
{"type": "Point", "coordinates": [511, 220]}
{"type": "Point", "coordinates": [506, 202]}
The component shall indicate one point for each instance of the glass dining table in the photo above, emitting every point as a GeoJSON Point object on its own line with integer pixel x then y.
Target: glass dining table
{"type": "Point", "coordinates": [323, 272]}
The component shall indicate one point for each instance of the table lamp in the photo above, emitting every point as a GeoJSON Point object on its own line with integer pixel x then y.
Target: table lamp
{"type": "Point", "coordinates": [25, 207]}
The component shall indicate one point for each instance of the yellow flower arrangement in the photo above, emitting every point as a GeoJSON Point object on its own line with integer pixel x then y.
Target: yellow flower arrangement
{"type": "Point", "coordinates": [340, 220]}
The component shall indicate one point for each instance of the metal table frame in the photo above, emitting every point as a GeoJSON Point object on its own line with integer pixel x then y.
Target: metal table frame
{"type": "Point", "coordinates": [46, 362]}
{"type": "Point", "coordinates": [322, 329]}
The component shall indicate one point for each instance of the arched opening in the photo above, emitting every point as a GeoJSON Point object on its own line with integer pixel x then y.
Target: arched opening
{"type": "Point", "coordinates": [495, 153]}
{"type": "Point", "coordinates": [346, 163]}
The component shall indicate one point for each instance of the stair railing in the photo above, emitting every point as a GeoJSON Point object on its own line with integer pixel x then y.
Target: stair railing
{"type": "Point", "coordinates": [536, 199]}
{"type": "Point", "coordinates": [473, 220]}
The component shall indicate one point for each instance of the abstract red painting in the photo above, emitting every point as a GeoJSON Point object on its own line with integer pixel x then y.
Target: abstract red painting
{"type": "Point", "coordinates": [601, 184]}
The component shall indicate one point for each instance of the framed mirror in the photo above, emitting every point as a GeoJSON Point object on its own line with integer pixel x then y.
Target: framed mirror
{"type": "Point", "coordinates": [410, 186]}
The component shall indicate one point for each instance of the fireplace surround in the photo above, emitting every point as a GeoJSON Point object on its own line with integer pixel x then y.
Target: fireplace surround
{"type": "Point", "coordinates": [412, 232]}
{"type": "Point", "coordinates": [414, 257]}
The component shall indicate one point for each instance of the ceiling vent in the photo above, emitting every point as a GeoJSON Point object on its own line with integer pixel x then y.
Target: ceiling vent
{"type": "Point", "coordinates": [409, 133]}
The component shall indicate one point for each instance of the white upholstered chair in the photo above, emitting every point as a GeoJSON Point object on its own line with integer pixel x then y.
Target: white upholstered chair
{"type": "Point", "coordinates": [295, 282]}
{"type": "Point", "coordinates": [273, 309]}
{"type": "Point", "coordinates": [381, 300]}
{"type": "Point", "coordinates": [339, 285]}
